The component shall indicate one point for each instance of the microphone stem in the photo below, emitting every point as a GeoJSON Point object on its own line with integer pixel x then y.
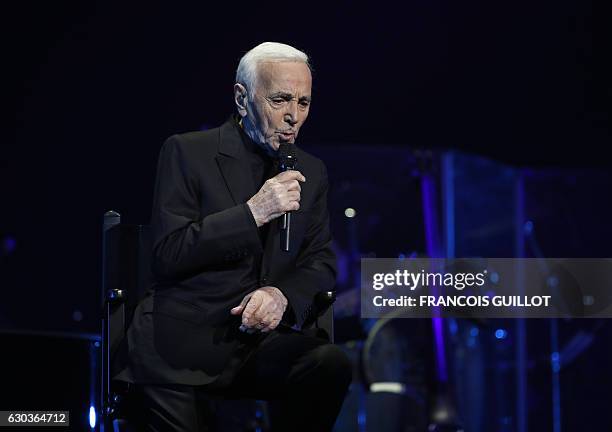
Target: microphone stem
{"type": "Point", "coordinates": [285, 231]}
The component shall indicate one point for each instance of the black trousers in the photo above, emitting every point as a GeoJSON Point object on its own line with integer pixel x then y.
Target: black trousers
{"type": "Point", "coordinates": [304, 378]}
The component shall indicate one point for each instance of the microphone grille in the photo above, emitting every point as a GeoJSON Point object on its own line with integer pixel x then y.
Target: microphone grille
{"type": "Point", "coordinates": [286, 157]}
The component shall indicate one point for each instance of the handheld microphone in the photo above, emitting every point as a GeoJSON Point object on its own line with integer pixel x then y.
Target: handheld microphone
{"type": "Point", "coordinates": [287, 161]}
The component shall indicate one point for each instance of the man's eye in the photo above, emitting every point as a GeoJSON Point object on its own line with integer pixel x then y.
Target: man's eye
{"type": "Point", "coordinates": [304, 104]}
{"type": "Point", "coordinates": [278, 100]}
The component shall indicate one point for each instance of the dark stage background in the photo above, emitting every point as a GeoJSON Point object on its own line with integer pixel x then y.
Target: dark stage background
{"type": "Point", "coordinates": [92, 89]}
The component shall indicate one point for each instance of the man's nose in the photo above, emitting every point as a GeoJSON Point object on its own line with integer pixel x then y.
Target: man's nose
{"type": "Point", "coordinates": [291, 116]}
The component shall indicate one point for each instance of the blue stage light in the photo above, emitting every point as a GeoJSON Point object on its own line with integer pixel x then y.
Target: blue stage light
{"type": "Point", "coordinates": [500, 334]}
{"type": "Point", "coordinates": [494, 277]}
{"type": "Point", "coordinates": [361, 420]}
{"type": "Point", "coordinates": [92, 417]}
{"type": "Point", "coordinates": [9, 245]}
{"type": "Point", "coordinates": [555, 360]}
{"type": "Point", "coordinates": [452, 326]}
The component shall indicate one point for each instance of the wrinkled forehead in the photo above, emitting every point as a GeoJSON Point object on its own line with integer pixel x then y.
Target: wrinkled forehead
{"type": "Point", "coordinates": [285, 76]}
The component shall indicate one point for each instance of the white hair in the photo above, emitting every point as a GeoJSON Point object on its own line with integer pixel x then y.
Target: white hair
{"type": "Point", "coordinates": [246, 74]}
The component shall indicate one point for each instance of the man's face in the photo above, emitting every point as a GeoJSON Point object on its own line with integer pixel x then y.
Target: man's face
{"type": "Point", "coordinates": [279, 104]}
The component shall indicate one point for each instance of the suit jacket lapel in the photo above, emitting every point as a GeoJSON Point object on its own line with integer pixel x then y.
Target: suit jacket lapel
{"type": "Point", "coordinates": [233, 164]}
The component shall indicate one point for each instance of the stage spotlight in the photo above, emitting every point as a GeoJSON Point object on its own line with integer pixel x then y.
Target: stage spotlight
{"type": "Point", "coordinates": [92, 417]}
{"type": "Point", "coordinates": [350, 212]}
{"type": "Point", "coordinates": [500, 334]}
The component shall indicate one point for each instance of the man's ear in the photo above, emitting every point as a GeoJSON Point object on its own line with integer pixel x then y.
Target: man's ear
{"type": "Point", "coordinates": [240, 98]}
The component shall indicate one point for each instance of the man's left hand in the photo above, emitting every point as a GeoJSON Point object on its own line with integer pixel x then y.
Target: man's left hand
{"type": "Point", "coordinates": [262, 309]}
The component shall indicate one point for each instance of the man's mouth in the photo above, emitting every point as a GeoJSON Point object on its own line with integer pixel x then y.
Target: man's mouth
{"type": "Point", "coordinates": [287, 135]}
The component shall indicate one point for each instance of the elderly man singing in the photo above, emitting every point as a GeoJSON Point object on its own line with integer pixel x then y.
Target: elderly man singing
{"type": "Point", "coordinates": [227, 312]}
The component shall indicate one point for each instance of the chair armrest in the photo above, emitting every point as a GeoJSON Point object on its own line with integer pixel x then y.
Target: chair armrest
{"type": "Point", "coordinates": [323, 300]}
{"type": "Point", "coordinates": [323, 317]}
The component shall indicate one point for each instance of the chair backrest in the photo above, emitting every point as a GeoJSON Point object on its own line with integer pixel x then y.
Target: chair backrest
{"type": "Point", "coordinates": [126, 277]}
{"type": "Point", "coordinates": [127, 258]}
{"type": "Point", "coordinates": [126, 272]}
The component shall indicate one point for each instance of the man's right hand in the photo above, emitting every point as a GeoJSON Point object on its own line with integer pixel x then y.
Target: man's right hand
{"type": "Point", "coordinates": [277, 196]}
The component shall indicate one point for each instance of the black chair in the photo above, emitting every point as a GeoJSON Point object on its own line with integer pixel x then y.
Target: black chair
{"type": "Point", "coordinates": [126, 278]}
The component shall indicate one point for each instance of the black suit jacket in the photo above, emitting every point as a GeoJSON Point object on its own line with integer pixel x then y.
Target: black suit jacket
{"type": "Point", "coordinates": [207, 256]}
